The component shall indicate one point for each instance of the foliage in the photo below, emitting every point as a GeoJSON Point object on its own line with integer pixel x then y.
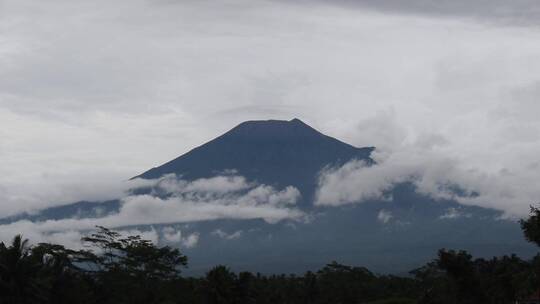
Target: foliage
{"type": "Point", "coordinates": [117, 269]}
{"type": "Point", "coordinates": [531, 226]}
{"type": "Point", "coordinates": [131, 256]}
{"type": "Point", "coordinates": [454, 277]}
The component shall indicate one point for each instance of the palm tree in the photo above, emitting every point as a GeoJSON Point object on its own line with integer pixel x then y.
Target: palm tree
{"type": "Point", "coordinates": [19, 271]}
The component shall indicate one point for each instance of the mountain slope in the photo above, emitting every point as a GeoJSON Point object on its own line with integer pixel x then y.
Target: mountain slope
{"type": "Point", "coordinates": [274, 152]}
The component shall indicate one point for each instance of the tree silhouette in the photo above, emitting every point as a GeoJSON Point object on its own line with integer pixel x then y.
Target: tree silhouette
{"type": "Point", "coordinates": [531, 226]}
{"type": "Point", "coordinates": [219, 285]}
{"type": "Point", "coordinates": [19, 280]}
{"type": "Point", "coordinates": [129, 270]}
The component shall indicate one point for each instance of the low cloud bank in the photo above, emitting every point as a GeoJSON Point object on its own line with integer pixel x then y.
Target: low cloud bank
{"type": "Point", "coordinates": [37, 193]}
{"type": "Point", "coordinates": [220, 197]}
{"type": "Point", "coordinates": [435, 173]}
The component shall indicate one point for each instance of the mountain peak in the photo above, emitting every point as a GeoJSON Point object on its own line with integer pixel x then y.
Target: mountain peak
{"type": "Point", "coordinates": [274, 123]}
{"type": "Point", "coordinates": [272, 152]}
{"type": "Point", "coordinates": [273, 129]}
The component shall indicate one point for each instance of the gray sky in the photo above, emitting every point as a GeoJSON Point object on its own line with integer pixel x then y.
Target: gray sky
{"type": "Point", "coordinates": [94, 92]}
{"type": "Point", "coordinates": [515, 12]}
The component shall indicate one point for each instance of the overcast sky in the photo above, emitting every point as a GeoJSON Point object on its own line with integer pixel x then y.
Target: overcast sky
{"type": "Point", "coordinates": [95, 92]}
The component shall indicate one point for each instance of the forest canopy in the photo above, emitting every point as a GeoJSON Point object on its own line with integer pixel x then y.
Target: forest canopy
{"type": "Point", "coordinates": [118, 269]}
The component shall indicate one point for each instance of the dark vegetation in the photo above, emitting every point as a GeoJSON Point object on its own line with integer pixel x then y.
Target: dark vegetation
{"type": "Point", "coordinates": [131, 270]}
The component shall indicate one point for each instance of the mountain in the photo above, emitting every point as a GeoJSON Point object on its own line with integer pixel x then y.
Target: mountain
{"type": "Point", "coordinates": [273, 152]}
{"type": "Point", "coordinates": [389, 236]}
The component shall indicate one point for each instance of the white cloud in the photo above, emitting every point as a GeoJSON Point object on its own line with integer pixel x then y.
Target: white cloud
{"type": "Point", "coordinates": [191, 241]}
{"type": "Point", "coordinates": [217, 185]}
{"type": "Point", "coordinates": [227, 236]}
{"type": "Point", "coordinates": [354, 182]}
{"type": "Point", "coordinates": [70, 238]}
{"type": "Point", "coordinates": [267, 194]}
{"type": "Point", "coordinates": [490, 172]}
{"type": "Point", "coordinates": [210, 199]}
{"type": "Point", "coordinates": [172, 235]}
{"type": "Point", "coordinates": [453, 213]}
{"type": "Point", "coordinates": [384, 216]}
{"type": "Point", "coordinates": [40, 192]}
{"type": "Point", "coordinates": [146, 209]}
{"type": "Point", "coordinates": [117, 87]}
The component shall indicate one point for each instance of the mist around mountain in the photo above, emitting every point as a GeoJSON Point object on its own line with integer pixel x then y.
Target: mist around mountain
{"type": "Point", "coordinates": [274, 152]}
{"type": "Point", "coordinates": [246, 199]}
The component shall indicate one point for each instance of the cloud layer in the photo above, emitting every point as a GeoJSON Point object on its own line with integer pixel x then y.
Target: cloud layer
{"type": "Point", "coordinates": [220, 197]}
{"type": "Point", "coordinates": [518, 12]}
{"type": "Point", "coordinates": [437, 170]}
{"type": "Point", "coordinates": [92, 93]}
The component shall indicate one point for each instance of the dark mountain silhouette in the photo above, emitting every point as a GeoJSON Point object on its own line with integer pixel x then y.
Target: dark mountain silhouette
{"type": "Point", "coordinates": [273, 152]}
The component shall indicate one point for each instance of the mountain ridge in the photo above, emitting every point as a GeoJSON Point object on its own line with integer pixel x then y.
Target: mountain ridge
{"type": "Point", "coordinates": [274, 152]}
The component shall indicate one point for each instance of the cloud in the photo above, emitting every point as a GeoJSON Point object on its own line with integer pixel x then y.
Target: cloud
{"type": "Point", "coordinates": [146, 209]}
{"type": "Point", "coordinates": [199, 200]}
{"type": "Point", "coordinates": [384, 216]}
{"type": "Point", "coordinates": [224, 235]}
{"type": "Point", "coordinates": [453, 213]}
{"type": "Point", "coordinates": [171, 235]}
{"type": "Point", "coordinates": [519, 12]}
{"type": "Point", "coordinates": [355, 181]}
{"type": "Point", "coordinates": [70, 238]}
{"type": "Point", "coordinates": [40, 192]}
{"type": "Point", "coordinates": [191, 241]}
{"type": "Point", "coordinates": [127, 85]}
{"type": "Point", "coordinates": [487, 170]}
{"type": "Point", "coordinates": [215, 185]}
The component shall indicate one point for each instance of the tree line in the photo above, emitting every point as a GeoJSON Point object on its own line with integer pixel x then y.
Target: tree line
{"type": "Point", "coordinates": [130, 270]}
